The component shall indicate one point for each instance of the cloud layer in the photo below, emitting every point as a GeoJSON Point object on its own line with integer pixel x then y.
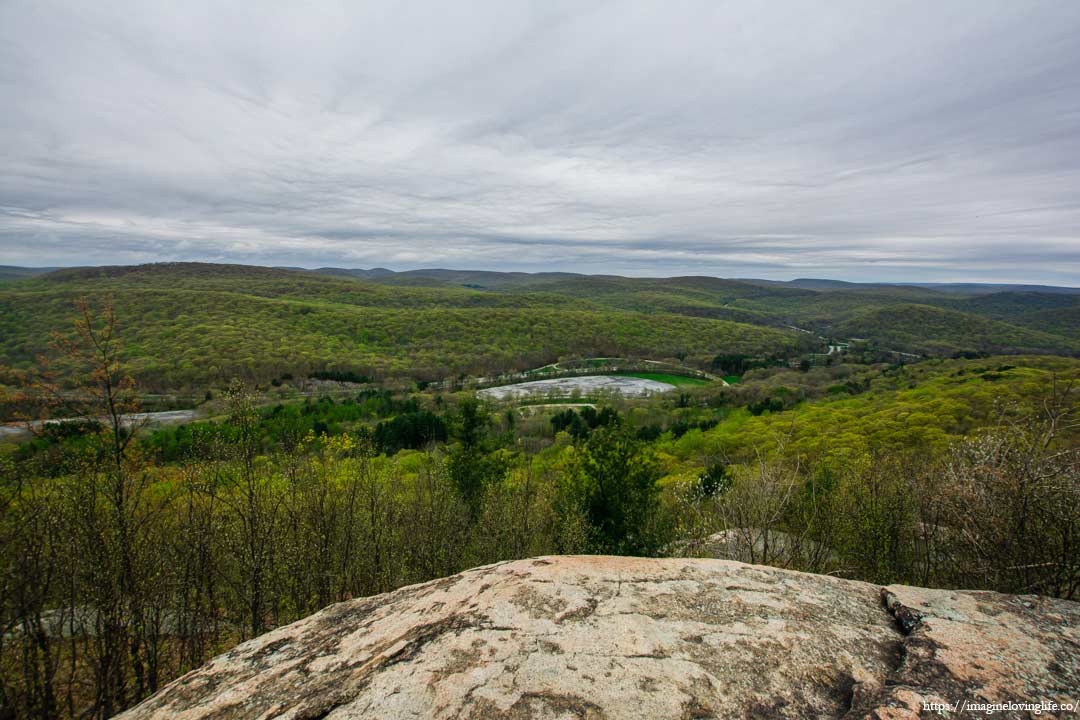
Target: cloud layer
{"type": "Point", "coordinates": [874, 141]}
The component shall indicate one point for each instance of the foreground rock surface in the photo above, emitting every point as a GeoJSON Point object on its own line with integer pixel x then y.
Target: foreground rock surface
{"type": "Point", "coordinates": [613, 637]}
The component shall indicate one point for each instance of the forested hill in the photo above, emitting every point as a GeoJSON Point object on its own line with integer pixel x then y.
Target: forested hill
{"type": "Point", "coordinates": [192, 325]}
{"type": "Point", "coordinates": [1022, 318]}
{"type": "Point", "coordinates": [493, 279]}
{"type": "Point", "coordinates": [11, 272]}
{"type": "Point", "coordinates": [195, 324]}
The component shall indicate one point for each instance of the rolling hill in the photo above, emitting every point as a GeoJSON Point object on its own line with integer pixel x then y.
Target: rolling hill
{"type": "Point", "coordinates": [929, 330]}
{"type": "Point", "coordinates": [197, 324]}
{"type": "Point", "coordinates": [827, 307]}
{"type": "Point", "coordinates": [192, 325]}
{"type": "Point", "coordinates": [12, 272]}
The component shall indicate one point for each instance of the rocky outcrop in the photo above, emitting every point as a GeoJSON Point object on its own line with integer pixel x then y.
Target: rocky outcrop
{"type": "Point", "coordinates": [616, 637]}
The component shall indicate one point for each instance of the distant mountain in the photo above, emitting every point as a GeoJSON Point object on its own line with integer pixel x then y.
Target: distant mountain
{"type": "Point", "coordinates": [953, 288]}
{"type": "Point", "coordinates": [13, 272]}
{"type": "Point", "coordinates": [982, 288]}
{"type": "Point", "coordinates": [808, 283]}
{"type": "Point", "coordinates": [171, 270]}
{"type": "Point", "coordinates": [371, 274]}
{"type": "Point", "coordinates": [476, 279]}
{"type": "Point", "coordinates": [495, 280]}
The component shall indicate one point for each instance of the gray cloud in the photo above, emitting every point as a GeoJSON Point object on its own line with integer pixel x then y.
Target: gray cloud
{"type": "Point", "coordinates": [878, 141]}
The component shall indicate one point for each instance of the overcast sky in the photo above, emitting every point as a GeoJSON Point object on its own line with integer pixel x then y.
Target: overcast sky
{"type": "Point", "coordinates": [852, 140]}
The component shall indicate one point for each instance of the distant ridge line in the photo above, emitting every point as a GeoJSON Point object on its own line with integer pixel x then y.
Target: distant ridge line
{"type": "Point", "coordinates": [478, 277]}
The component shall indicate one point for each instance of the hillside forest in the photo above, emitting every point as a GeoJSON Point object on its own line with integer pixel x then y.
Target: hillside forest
{"type": "Point", "coordinates": [339, 449]}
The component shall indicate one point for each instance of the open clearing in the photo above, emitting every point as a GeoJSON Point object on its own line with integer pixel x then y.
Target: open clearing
{"type": "Point", "coordinates": [14, 431]}
{"type": "Point", "coordinates": [584, 385]}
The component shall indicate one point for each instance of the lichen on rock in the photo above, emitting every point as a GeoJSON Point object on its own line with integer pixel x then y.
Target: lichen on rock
{"type": "Point", "coordinates": [618, 637]}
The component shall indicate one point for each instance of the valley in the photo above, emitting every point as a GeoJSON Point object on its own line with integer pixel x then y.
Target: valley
{"type": "Point", "coordinates": [252, 444]}
{"type": "Point", "coordinates": [188, 327]}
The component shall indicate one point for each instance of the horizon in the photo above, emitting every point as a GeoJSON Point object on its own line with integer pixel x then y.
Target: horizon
{"type": "Point", "coordinates": [373, 268]}
{"type": "Point", "coordinates": [893, 143]}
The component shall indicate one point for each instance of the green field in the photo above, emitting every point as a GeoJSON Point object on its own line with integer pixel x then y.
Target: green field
{"type": "Point", "coordinates": [676, 380]}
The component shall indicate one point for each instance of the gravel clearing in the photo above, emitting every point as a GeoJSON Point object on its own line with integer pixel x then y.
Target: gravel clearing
{"type": "Point", "coordinates": [10, 431]}
{"type": "Point", "coordinates": [584, 385]}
